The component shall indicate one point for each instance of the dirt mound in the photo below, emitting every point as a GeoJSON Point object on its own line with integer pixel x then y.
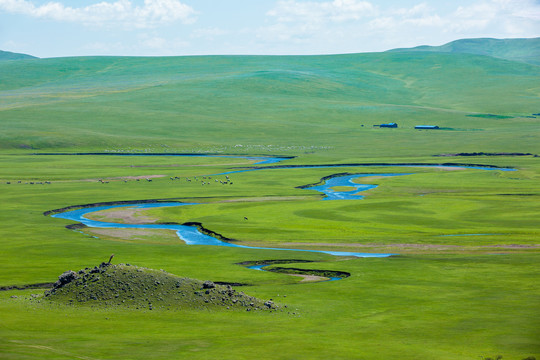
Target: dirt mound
{"type": "Point", "coordinates": [141, 288]}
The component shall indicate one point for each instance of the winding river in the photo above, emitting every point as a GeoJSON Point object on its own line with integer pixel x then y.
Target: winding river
{"type": "Point", "coordinates": [192, 236]}
{"type": "Point", "coordinates": [189, 234]}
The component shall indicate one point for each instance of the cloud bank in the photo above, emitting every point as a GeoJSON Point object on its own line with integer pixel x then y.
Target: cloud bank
{"type": "Point", "coordinates": [354, 21]}
{"type": "Point", "coordinates": [107, 14]}
{"type": "Point", "coordinates": [158, 27]}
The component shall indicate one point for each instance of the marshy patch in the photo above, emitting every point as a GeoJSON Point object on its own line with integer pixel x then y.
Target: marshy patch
{"type": "Point", "coordinates": [481, 153]}
{"type": "Point", "coordinates": [311, 275]}
{"type": "Point", "coordinates": [27, 286]}
{"type": "Point", "coordinates": [307, 275]}
{"type": "Point", "coordinates": [490, 116]}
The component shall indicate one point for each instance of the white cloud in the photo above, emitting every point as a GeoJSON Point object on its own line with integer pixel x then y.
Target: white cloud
{"type": "Point", "coordinates": [121, 12]}
{"type": "Point", "coordinates": [320, 12]}
{"type": "Point", "coordinates": [301, 22]}
{"type": "Point", "coordinates": [327, 26]}
{"type": "Point", "coordinates": [497, 14]}
{"type": "Point", "coordinates": [418, 16]}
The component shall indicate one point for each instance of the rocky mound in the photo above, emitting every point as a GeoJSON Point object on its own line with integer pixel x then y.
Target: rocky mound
{"type": "Point", "coordinates": [141, 288]}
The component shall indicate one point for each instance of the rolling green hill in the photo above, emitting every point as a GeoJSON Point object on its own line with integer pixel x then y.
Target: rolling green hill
{"type": "Point", "coordinates": [187, 103]}
{"type": "Point", "coordinates": [523, 50]}
{"type": "Point", "coordinates": [7, 55]}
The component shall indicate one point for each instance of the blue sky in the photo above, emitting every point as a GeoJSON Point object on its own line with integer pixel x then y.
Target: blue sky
{"type": "Point", "coordinates": [51, 28]}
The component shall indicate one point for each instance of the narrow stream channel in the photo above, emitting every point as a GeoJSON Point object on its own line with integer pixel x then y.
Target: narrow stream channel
{"type": "Point", "coordinates": [189, 234]}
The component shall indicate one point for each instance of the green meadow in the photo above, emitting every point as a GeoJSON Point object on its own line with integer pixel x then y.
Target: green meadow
{"type": "Point", "coordinates": [463, 283]}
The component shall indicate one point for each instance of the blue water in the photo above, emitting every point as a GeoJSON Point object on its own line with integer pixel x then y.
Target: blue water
{"type": "Point", "coordinates": [257, 267]}
{"type": "Point", "coordinates": [189, 234]}
{"type": "Point", "coordinates": [347, 180]}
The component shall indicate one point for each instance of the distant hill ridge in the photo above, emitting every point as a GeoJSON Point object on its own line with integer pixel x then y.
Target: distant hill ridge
{"type": "Point", "coordinates": [522, 50]}
{"type": "Point", "coordinates": [7, 55]}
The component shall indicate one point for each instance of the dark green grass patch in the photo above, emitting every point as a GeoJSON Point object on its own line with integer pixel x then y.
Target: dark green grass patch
{"type": "Point", "coordinates": [490, 116]}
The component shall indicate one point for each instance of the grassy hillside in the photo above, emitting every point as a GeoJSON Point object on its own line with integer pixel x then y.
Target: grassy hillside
{"type": "Point", "coordinates": [7, 55]}
{"type": "Point", "coordinates": [522, 50]}
{"type": "Point", "coordinates": [188, 104]}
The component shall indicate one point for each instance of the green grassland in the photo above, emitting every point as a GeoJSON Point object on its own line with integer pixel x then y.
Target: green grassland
{"type": "Point", "coordinates": [468, 295]}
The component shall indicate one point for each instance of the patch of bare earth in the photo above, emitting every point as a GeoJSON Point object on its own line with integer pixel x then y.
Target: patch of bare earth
{"type": "Point", "coordinates": [309, 278]}
{"type": "Point", "coordinates": [413, 247]}
{"type": "Point", "coordinates": [137, 177]}
{"type": "Point", "coordinates": [127, 215]}
{"type": "Point", "coordinates": [450, 168]}
{"type": "Point", "coordinates": [367, 179]}
{"type": "Point", "coordinates": [191, 165]}
{"type": "Point", "coordinates": [267, 198]}
{"type": "Point", "coordinates": [154, 236]}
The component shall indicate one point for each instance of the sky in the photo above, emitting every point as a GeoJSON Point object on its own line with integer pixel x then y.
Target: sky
{"type": "Point", "coordinates": [57, 28]}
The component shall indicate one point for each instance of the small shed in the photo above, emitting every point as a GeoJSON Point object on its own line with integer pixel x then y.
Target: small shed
{"type": "Point", "coordinates": [426, 127]}
{"type": "Point", "coordinates": [389, 125]}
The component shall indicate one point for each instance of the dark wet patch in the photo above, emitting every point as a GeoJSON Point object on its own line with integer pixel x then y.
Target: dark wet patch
{"type": "Point", "coordinates": [273, 261]}
{"type": "Point", "coordinates": [316, 272]}
{"type": "Point", "coordinates": [27, 286]}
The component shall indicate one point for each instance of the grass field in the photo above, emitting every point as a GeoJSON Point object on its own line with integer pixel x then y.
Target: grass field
{"type": "Point", "coordinates": [464, 284]}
